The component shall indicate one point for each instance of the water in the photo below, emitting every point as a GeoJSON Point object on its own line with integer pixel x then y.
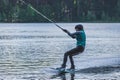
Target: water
{"type": "Point", "coordinates": [29, 50]}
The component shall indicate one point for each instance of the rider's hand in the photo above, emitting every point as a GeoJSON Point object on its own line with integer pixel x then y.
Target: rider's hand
{"type": "Point", "coordinates": [65, 30]}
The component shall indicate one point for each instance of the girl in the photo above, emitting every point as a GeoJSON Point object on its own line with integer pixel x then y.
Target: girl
{"type": "Point", "coordinates": [80, 36]}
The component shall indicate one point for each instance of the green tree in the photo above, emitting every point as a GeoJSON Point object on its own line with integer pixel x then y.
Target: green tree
{"type": "Point", "coordinates": [60, 10]}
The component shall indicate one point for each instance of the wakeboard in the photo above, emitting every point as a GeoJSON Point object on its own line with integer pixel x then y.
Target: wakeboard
{"type": "Point", "coordinates": [64, 71]}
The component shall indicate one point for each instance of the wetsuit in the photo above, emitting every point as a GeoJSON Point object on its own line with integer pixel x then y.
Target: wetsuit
{"type": "Point", "coordinates": [81, 41]}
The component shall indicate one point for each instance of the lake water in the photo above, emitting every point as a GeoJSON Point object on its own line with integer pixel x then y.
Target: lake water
{"type": "Point", "coordinates": [28, 51]}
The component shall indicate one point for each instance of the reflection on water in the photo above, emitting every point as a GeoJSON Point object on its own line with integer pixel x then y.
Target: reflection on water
{"type": "Point", "coordinates": [63, 76]}
{"type": "Point", "coordinates": [27, 51]}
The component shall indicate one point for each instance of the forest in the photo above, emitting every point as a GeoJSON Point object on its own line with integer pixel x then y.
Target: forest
{"type": "Point", "coordinates": [15, 11]}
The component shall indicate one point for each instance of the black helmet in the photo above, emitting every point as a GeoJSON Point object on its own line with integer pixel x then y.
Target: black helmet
{"type": "Point", "coordinates": [79, 27]}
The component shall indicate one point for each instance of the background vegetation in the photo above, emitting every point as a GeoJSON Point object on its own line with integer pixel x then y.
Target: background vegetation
{"type": "Point", "coordinates": [61, 10]}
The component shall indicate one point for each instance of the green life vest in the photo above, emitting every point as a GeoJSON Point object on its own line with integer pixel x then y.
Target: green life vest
{"type": "Point", "coordinates": [81, 38]}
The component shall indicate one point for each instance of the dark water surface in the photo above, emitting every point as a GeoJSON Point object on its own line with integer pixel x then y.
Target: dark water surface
{"type": "Point", "coordinates": [29, 50]}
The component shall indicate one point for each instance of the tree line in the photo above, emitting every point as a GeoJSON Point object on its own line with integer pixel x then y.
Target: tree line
{"type": "Point", "coordinates": [60, 10]}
